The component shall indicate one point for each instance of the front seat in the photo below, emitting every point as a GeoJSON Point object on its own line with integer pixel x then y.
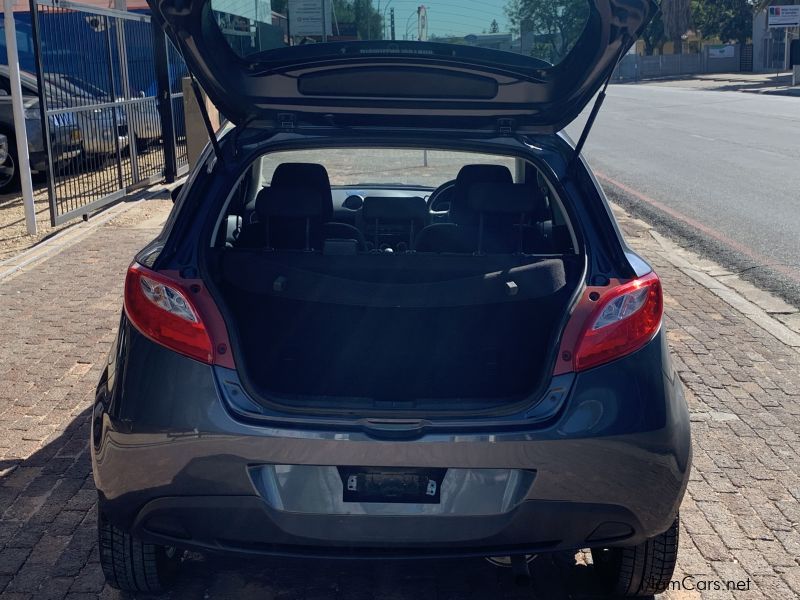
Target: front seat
{"type": "Point", "coordinates": [460, 235]}
{"type": "Point", "coordinates": [506, 217]}
{"type": "Point", "coordinates": [293, 209]}
{"type": "Point", "coordinates": [299, 175]}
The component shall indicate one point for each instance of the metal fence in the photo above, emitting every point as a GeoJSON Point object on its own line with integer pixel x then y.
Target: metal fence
{"type": "Point", "coordinates": [110, 101]}
{"type": "Point", "coordinates": [633, 67]}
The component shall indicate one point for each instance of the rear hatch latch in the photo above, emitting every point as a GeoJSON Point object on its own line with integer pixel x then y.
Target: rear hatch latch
{"type": "Point", "coordinates": [505, 126]}
{"type": "Point", "coordinates": [286, 121]}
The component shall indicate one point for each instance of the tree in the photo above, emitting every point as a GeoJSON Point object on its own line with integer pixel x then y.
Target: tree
{"type": "Point", "coordinates": [494, 27]}
{"type": "Point", "coordinates": [555, 25]}
{"type": "Point", "coordinates": [677, 18]}
{"type": "Point", "coordinates": [729, 20]}
{"type": "Point", "coordinates": [367, 19]}
{"type": "Point", "coordinates": [653, 35]}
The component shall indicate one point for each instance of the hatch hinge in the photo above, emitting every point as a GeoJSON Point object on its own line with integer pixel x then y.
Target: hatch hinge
{"type": "Point", "coordinates": [505, 126]}
{"type": "Point", "coordinates": [286, 121]}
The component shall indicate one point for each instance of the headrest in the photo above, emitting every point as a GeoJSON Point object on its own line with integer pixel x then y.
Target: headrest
{"type": "Point", "coordinates": [460, 210]}
{"type": "Point", "coordinates": [471, 174]}
{"type": "Point", "coordinates": [305, 175]}
{"type": "Point", "coordinates": [502, 198]}
{"type": "Point", "coordinates": [395, 209]}
{"type": "Point", "coordinates": [309, 174]}
{"type": "Point", "coordinates": [294, 202]}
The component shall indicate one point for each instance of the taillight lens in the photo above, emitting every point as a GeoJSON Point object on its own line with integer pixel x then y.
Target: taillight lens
{"type": "Point", "coordinates": [626, 319]}
{"type": "Point", "coordinates": [161, 310]}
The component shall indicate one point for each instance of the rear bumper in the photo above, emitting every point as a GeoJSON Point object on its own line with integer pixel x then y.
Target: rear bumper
{"type": "Point", "coordinates": [172, 463]}
{"type": "Point", "coordinates": [247, 525]}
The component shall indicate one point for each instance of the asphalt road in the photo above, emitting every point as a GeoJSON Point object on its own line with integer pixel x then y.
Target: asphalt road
{"type": "Point", "coordinates": [719, 171]}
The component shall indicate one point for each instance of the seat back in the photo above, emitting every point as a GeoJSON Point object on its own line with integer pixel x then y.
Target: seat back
{"type": "Point", "coordinates": [460, 235]}
{"type": "Point", "coordinates": [461, 211]}
{"type": "Point", "coordinates": [394, 220]}
{"type": "Point", "coordinates": [507, 215]}
{"type": "Point", "coordinates": [292, 217]}
{"type": "Point", "coordinates": [293, 209]}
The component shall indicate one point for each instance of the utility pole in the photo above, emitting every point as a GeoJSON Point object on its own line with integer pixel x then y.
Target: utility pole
{"type": "Point", "coordinates": [383, 19]}
{"type": "Point", "coordinates": [391, 22]}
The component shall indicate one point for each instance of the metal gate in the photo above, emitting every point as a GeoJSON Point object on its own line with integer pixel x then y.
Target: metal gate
{"type": "Point", "coordinates": [110, 103]}
{"type": "Point", "coordinates": [746, 59]}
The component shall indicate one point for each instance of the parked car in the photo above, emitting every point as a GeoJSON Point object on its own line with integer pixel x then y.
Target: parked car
{"type": "Point", "coordinates": [65, 135]}
{"type": "Point", "coordinates": [98, 125]}
{"type": "Point", "coordinates": [7, 171]}
{"type": "Point", "coordinates": [392, 370]}
{"type": "Point", "coordinates": [139, 115]}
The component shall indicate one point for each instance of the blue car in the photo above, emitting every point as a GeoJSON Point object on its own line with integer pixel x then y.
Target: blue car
{"type": "Point", "coordinates": [391, 315]}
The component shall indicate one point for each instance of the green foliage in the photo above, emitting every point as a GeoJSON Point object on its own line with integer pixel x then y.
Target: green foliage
{"type": "Point", "coordinates": [654, 35]}
{"type": "Point", "coordinates": [554, 24]}
{"type": "Point", "coordinates": [729, 20]}
{"type": "Point", "coordinates": [494, 27]}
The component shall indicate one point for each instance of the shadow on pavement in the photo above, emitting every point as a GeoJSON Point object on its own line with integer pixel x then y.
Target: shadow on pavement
{"type": "Point", "coordinates": [554, 577]}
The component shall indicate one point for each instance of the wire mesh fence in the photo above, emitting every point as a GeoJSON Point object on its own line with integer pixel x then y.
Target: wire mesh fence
{"type": "Point", "coordinates": [99, 80]}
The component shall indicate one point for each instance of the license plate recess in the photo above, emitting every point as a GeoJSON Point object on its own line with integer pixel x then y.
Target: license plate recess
{"type": "Point", "coordinates": [392, 484]}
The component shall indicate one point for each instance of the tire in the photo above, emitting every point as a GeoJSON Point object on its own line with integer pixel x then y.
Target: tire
{"type": "Point", "coordinates": [9, 170]}
{"type": "Point", "coordinates": [131, 565]}
{"type": "Point", "coordinates": [637, 571]}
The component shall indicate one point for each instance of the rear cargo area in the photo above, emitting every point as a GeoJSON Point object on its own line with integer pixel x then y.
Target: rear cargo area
{"type": "Point", "coordinates": [390, 331]}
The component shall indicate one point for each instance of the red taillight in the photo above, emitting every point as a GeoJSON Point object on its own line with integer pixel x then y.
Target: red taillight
{"type": "Point", "coordinates": [625, 319]}
{"type": "Point", "coordinates": [161, 309]}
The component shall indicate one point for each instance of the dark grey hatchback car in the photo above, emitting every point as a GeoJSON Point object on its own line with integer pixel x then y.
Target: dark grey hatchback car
{"type": "Point", "coordinates": [449, 351]}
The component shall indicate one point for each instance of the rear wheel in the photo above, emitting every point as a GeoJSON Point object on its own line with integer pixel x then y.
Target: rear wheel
{"type": "Point", "coordinates": [642, 570]}
{"type": "Point", "coordinates": [131, 565]}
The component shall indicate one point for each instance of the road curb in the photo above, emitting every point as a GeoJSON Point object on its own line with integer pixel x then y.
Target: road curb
{"type": "Point", "coordinates": [680, 258]}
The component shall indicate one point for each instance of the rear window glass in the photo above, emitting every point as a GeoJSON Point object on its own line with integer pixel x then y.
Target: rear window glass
{"type": "Point", "coordinates": [365, 166]}
{"type": "Point", "coordinates": [541, 29]}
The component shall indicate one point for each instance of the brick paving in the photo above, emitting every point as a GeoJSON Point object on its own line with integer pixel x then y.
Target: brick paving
{"type": "Point", "coordinates": [741, 517]}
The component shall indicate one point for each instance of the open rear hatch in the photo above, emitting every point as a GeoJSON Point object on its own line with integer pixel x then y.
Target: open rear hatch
{"type": "Point", "coordinates": [258, 66]}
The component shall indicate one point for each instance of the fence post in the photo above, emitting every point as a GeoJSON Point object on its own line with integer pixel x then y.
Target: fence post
{"type": "Point", "coordinates": [164, 94]}
{"type": "Point", "coordinates": [113, 97]}
{"type": "Point", "coordinates": [45, 120]}
{"type": "Point", "coordinates": [23, 165]}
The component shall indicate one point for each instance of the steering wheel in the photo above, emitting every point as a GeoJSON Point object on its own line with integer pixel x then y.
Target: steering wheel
{"type": "Point", "coordinates": [439, 200]}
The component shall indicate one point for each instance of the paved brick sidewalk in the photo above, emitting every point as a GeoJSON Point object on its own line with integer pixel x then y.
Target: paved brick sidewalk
{"type": "Point", "coordinates": [741, 516]}
{"type": "Point", "coordinates": [755, 83]}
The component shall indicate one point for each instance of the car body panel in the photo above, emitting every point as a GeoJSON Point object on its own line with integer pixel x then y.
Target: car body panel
{"type": "Point", "coordinates": [616, 454]}
{"type": "Point", "coordinates": [403, 83]}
